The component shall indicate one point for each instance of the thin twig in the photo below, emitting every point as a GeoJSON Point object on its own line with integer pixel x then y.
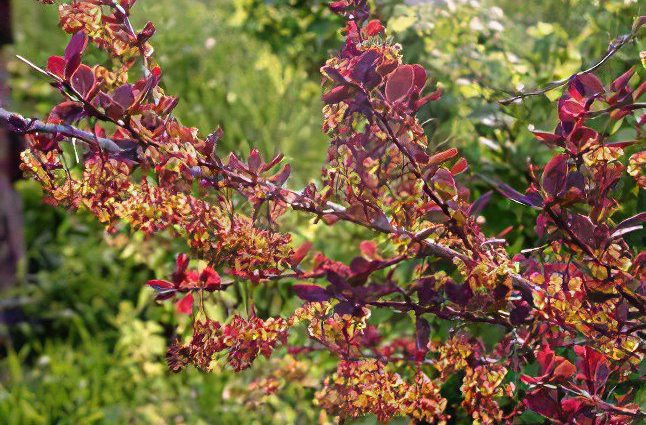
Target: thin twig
{"type": "Point", "coordinates": [613, 48]}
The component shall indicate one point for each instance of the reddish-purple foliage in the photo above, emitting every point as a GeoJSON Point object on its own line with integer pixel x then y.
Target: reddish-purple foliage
{"type": "Point", "coordinates": [580, 293]}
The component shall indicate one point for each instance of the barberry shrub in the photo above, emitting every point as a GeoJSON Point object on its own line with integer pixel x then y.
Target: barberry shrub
{"type": "Point", "coordinates": [568, 312]}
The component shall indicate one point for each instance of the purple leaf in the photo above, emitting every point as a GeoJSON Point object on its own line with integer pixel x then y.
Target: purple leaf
{"type": "Point", "coordinates": [575, 180]}
{"type": "Point", "coordinates": [632, 221]}
{"type": "Point", "coordinates": [83, 81]}
{"type": "Point", "coordinates": [479, 204]}
{"type": "Point", "coordinates": [380, 220]}
{"type": "Point", "coordinates": [124, 96]}
{"type": "Point", "coordinates": [364, 69]}
{"type": "Point", "coordinates": [512, 194]}
{"type": "Point", "coordinates": [519, 313]}
{"type": "Point", "coordinates": [422, 333]}
{"type": "Point", "coordinates": [629, 225]}
{"type": "Point", "coordinates": [345, 307]}
{"type": "Point", "coordinates": [76, 45]}
{"type": "Point", "coordinates": [339, 284]}
{"type": "Point", "coordinates": [311, 293]}
{"type": "Point", "coordinates": [17, 124]}
{"type": "Point", "coordinates": [360, 265]}
{"type": "Point", "coordinates": [555, 175]}
{"type": "Point", "coordinates": [426, 292]}
{"type": "Point", "coordinates": [582, 227]}
{"type": "Point", "coordinates": [334, 75]}
{"type": "Point", "coordinates": [459, 294]}
{"type": "Point", "coordinates": [621, 232]}
{"type": "Point", "coordinates": [71, 66]}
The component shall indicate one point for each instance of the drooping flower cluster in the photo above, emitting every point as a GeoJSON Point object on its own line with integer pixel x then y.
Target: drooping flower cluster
{"type": "Point", "coordinates": [113, 148]}
{"type": "Point", "coordinates": [241, 340]}
{"type": "Point", "coordinates": [361, 387]}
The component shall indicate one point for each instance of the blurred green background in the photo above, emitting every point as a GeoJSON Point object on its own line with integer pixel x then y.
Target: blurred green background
{"type": "Point", "coordinates": [81, 341]}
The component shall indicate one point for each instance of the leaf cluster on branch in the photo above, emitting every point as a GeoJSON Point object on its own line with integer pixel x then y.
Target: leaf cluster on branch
{"type": "Point", "coordinates": [113, 147]}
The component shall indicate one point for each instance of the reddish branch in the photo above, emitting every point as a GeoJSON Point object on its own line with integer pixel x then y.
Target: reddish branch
{"type": "Point", "coordinates": [293, 198]}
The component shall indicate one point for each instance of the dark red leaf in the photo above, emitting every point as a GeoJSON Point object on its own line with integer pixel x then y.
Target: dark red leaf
{"type": "Point", "coordinates": [281, 177]}
{"type": "Point", "coordinates": [146, 33]}
{"type": "Point", "coordinates": [585, 86]}
{"type": "Point", "coordinates": [621, 82]}
{"type": "Point", "coordinates": [550, 139]}
{"type": "Point", "coordinates": [419, 77]}
{"type": "Point", "coordinates": [185, 305]}
{"type": "Point", "coordinates": [374, 27]}
{"type": "Point", "coordinates": [544, 402]}
{"type": "Point", "coordinates": [160, 285]}
{"type": "Point", "coordinates": [459, 167]}
{"type": "Point", "coordinates": [67, 112]}
{"type": "Point", "coordinates": [337, 94]}
{"type": "Point", "coordinates": [443, 156]}
{"type": "Point", "coordinates": [570, 110]}
{"type": "Point", "coordinates": [400, 83]}
{"type": "Point", "coordinates": [254, 161]}
{"type": "Point", "coordinates": [56, 65]}
{"type": "Point", "coordinates": [181, 264]}
{"type": "Point", "coordinates": [210, 279]}
{"type": "Point", "coordinates": [300, 253]}
{"type": "Point", "coordinates": [593, 368]}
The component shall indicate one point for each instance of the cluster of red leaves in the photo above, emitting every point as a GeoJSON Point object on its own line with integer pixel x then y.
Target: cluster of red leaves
{"type": "Point", "coordinates": [579, 292]}
{"type": "Point", "coordinates": [567, 394]}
